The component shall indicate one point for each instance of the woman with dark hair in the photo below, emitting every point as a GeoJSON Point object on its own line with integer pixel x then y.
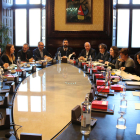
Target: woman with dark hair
{"type": "Point", "coordinates": [114, 53]}
{"type": "Point", "coordinates": [8, 56]}
{"type": "Point", "coordinates": [103, 54]}
{"type": "Point", "coordinates": [136, 69]}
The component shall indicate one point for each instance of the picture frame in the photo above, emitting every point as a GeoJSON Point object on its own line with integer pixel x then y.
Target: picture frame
{"type": "Point", "coordinates": [79, 11]}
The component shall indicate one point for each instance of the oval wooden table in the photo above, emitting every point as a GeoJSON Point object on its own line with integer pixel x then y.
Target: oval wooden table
{"type": "Point", "coordinates": [44, 100]}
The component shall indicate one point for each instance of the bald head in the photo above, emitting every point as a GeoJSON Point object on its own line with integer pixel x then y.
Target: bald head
{"type": "Point", "coordinates": [87, 46]}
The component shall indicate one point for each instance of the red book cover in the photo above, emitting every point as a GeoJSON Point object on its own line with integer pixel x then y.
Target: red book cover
{"type": "Point", "coordinates": [100, 76]}
{"type": "Point", "coordinates": [93, 70]}
{"type": "Point", "coordinates": [84, 63]}
{"type": "Point", "coordinates": [101, 82]}
{"type": "Point", "coordinates": [116, 87]}
{"type": "Point", "coordinates": [103, 89]}
{"type": "Point", "coordinates": [88, 65]}
{"type": "Point", "coordinates": [100, 68]}
{"type": "Point", "coordinates": [100, 104]}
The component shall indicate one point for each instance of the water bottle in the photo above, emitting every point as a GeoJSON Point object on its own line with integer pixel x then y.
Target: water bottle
{"type": "Point", "coordinates": [59, 57]}
{"type": "Point", "coordinates": [18, 63]}
{"type": "Point", "coordinates": [90, 62]}
{"type": "Point", "coordinates": [86, 116]}
{"type": "Point", "coordinates": [1, 78]}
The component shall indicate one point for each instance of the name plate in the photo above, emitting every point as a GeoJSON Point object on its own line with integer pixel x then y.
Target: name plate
{"type": "Point", "coordinates": [23, 73]}
{"type": "Point", "coordinates": [12, 88]}
{"type": "Point", "coordinates": [16, 79]}
{"type": "Point", "coordinates": [33, 68]}
{"type": "Point", "coordinates": [64, 60]}
{"type": "Point", "coordinates": [43, 64]}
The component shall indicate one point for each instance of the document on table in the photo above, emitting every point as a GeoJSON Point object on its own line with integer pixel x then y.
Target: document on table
{"type": "Point", "coordinates": [137, 106]}
{"type": "Point", "coordinates": [133, 83]}
{"type": "Point", "coordinates": [127, 75]}
{"type": "Point", "coordinates": [136, 93]}
{"type": "Point", "coordinates": [138, 129]}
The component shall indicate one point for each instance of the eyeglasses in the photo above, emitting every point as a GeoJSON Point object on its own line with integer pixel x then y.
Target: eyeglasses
{"type": "Point", "coordinates": [41, 45]}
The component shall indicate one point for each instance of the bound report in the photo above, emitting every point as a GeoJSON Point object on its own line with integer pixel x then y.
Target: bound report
{"type": "Point", "coordinates": [103, 105]}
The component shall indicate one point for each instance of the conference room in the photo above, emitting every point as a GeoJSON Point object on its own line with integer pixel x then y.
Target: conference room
{"type": "Point", "coordinates": [63, 54]}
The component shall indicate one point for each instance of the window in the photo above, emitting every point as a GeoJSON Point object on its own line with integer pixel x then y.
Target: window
{"type": "Point", "coordinates": [34, 2]}
{"type": "Point", "coordinates": [123, 27]}
{"type": "Point", "coordinates": [34, 27]}
{"type": "Point", "coordinates": [20, 24]}
{"type": "Point", "coordinates": [21, 2]}
{"type": "Point", "coordinates": [29, 22]}
{"type": "Point", "coordinates": [123, 1]}
{"type": "Point", "coordinates": [127, 24]}
{"type": "Point", "coordinates": [135, 28]}
{"type": "Point", "coordinates": [136, 1]}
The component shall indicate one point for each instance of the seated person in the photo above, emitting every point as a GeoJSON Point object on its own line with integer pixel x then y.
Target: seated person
{"type": "Point", "coordinates": [124, 60]}
{"type": "Point", "coordinates": [41, 53]}
{"type": "Point", "coordinates": [114, 53]}
{"type": "Point", "coordinates": [65, 50]}
{"type": "Point", "coordinates": [25, 54]}
{"type": "Point", "coordinates": [2, 64]}
{"type": "Point", "coordinates": [136, 69]}
{"type": "Point", "coordinates": [88, 51]}
{"type": "Point", "coordinates": [8, 56]}
{"type": "Point", "coordinates": [103, 54]}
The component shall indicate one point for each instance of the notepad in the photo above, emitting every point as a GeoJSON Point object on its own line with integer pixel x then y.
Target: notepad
{"type": "Point", "coordinates": [138, 129]}
{"type": "Point", "coordinates": [135, 93]}
{"type": "Point", "coordinates": [133, 83]}
{"type": "Point", "coordinates": [137, 106]}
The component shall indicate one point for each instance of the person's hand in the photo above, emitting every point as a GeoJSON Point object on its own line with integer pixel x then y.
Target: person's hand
{"type": "Point", "coordinates": [101, 60]}
{"type": "Point", "coordinates": [47, 57]}
{"type": "Point", "coordinates": [64, 57]}
{"type": "Point", "coordinates": [31, 60]}
{"type": "Point", "coordinates": [106, 62]}
{"type": "Point", "coordinates": [74, 53]}
{"type": "Point", "coordinates": [122, 68]}
{"type": "Point", "coordinates": [81, 58]}
{"type": "Point", "coordinates": [5, 65]}
{"type": "Point", "coordinates": [121, 60]}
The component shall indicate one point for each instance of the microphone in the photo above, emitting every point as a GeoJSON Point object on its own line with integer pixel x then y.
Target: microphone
{"type": "Point", "coordinates": [50, 55]}
{"type": "Point", "coordinates": [8, 135]}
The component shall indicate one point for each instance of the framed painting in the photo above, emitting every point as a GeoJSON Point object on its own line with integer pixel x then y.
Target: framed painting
{"type": "Point", "coordinates": [79, 11]}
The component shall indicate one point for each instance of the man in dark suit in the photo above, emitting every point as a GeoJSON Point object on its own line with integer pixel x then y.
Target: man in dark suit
{"type": "Point", "coordinates": [41, 53]}
{"type": "Point", "coordinates": [87, 52]}
{"type": "Point", "coordinates": [25, 53]}
{"type": "Point", "coordinates": [103, 54]}
{"type": "Point", "coordinates": [65, 50]}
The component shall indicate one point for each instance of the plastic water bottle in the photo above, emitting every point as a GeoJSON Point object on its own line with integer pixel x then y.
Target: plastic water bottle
{"type": "Point", "coordinates": [1, 78]}
{"type": "Point", "coordinates": [86, 116]}
{"type": "Point", "coordinates": [59, 57]}
{"type": "Point", "coordinates": [18, 63]}
{"type": "Point", "coordinates": [90, 61]}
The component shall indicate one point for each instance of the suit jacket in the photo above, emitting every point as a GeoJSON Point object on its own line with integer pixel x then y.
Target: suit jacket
{"type": "Point", "coordinates": [64, 53]}
{"type": "Point", "coordinates": [37, 56]}
{"type": "Point", "coordinates": [1, 62]}
{"type": "Point", "coordinates": [112, 61]}
{"type": "Point", "coordinates": [24, 56]}
{"type": "Point", "coordinates": [92, 52]}
{"type": "Point", "coordinates": [105, 57]}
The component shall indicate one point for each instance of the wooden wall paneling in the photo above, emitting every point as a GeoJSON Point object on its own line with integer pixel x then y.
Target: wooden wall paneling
{"type": "Point", "coordinates": [78, 38]}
